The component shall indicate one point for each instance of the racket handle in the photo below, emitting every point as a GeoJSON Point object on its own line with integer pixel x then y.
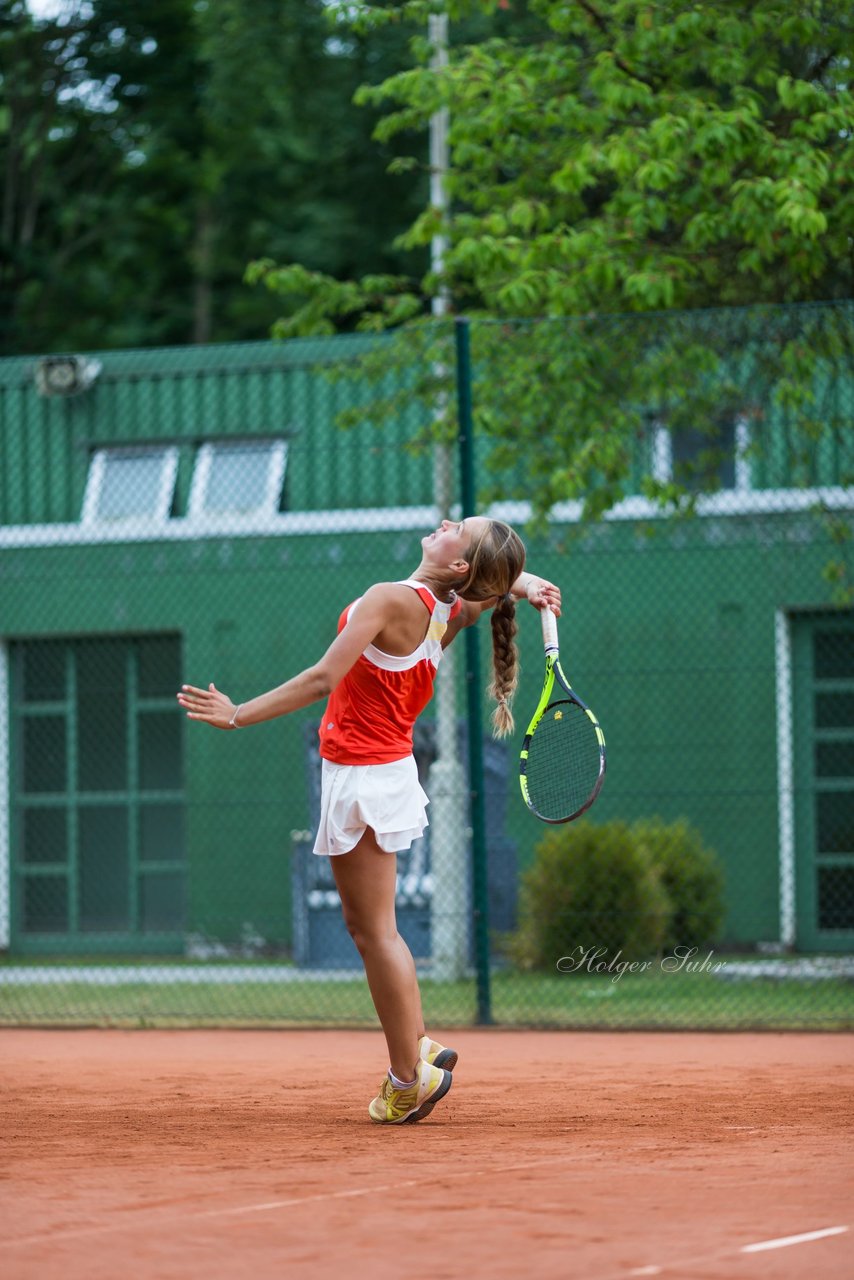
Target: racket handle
{"type": "Point", "coordinates": [549, 622]}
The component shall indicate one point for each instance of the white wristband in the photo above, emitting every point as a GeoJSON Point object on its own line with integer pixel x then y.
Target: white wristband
{"type": "Point", "coordinates": [232, 724]}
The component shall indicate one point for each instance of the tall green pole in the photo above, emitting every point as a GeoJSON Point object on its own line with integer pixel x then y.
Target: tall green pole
{"type": "Point", "coordinates": [473, 688]}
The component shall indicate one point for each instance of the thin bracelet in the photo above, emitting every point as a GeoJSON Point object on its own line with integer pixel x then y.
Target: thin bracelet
{"type": "Point", "coordinates": [232, 724]}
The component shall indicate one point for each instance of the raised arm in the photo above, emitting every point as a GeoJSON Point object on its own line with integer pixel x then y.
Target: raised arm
{"type": "Point", "coordinates": [376, 608]}
{"type": "Point", "coordinates": [539, 591]}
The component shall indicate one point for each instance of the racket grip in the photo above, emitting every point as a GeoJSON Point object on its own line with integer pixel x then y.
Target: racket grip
{"type": "Point", "coordinates": [549, 622]}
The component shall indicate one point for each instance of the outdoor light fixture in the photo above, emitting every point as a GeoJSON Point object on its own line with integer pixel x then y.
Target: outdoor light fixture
{"type": "Point", "coordinates": [66, 375]}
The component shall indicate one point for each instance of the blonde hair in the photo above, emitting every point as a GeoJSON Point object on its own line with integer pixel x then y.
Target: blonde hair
{"type": "Point", "coordinates": [495, 560]}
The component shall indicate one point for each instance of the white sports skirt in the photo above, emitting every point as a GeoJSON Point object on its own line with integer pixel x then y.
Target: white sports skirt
{"type": "Point", "coordinates": [386, 797]}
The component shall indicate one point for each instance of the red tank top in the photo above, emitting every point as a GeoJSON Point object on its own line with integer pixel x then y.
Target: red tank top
{"type": "Point", "coordinates": [370, 713]}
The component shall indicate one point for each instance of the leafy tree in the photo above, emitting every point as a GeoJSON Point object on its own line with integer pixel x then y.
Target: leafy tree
{"type": "Point", "coordinates": [290, 164]}
{"type": "Point", "coordinates": [152, 146]}
{"type": "Point", "coordinates": [42, 117]}
{"type": "Point", "coordinates": [623, 158]}
{"type": "Point", "coordinates": [638, 156]}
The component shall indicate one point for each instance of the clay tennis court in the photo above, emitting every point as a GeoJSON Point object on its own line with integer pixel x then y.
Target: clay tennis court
{"type": "Point", "coordinates": [210, 1153]}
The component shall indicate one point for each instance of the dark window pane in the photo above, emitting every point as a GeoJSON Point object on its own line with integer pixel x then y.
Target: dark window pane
{"type": "Point", "coordinates": [834, 759]}
{"type": "Point", "coordinates": [102, 716]}
{"type": "Point", "coordinates": [160, 751]}
{"type": "Point", "coordinates": [44, 754]}
{"type": "Point", "coordinates": [104, 869]}
{"type": "Point", "coordinates": [161, 833]}
{"type": "Point", "coordinates": [835, 821]}
{"type": "Point", "coordinates": [43, 670]}
{"type": "Point", "coordinates": [161, 898]}
{"type": "Point", "coordinates": [44, 835]}
{"type": "Point", "coordinates": [159, 669]}
{"type": "Point", "coordinates": [833, 654]}
{"type": "Point", "coordinates": [834, 710]}
{"type": "Point", "coordinates": [836, 898]}
{"type": "Point", "coordinates": [45, 904]}
{"type": "Point", "coordinates": [704, 459]}
{"type": "Point", "coordinates": [101, 668]}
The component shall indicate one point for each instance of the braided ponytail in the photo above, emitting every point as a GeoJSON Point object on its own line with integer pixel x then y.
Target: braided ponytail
{"type": "Point", "coordinates": [505, 665]}
{"type": "Point", "coordinates": [495, 561]}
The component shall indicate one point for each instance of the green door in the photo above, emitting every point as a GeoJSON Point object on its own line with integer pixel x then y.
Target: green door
{"type": "Point", "coordinates": [823, 728]}
{"type": "Point", "coordinates": [97, 792]}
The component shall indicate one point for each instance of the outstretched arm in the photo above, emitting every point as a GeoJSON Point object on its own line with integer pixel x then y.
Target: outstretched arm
{"type": "Point", "coordinates": [215, 708]}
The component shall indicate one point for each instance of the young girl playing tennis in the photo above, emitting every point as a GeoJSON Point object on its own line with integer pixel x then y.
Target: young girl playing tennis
{"type": "Point", "coordinates": [377, 676]}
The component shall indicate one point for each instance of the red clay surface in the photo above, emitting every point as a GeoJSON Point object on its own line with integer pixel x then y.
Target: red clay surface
{"type": "Point", "coordinates": [209, 1154]}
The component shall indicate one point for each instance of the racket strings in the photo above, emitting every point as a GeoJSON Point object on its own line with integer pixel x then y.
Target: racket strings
{"type": "Point", "coordinates": [564, 761]}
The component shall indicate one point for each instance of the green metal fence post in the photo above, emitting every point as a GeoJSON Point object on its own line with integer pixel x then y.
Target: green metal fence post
{"type": "Point", "coordinates": [473, 688]}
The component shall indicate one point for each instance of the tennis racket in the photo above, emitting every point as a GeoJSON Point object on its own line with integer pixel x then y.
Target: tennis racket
{"type": "Point", "coordinates": [562, 765]}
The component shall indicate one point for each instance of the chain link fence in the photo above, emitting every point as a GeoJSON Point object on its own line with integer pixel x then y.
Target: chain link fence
{"type": "Point", "coordinates": [198, 514]}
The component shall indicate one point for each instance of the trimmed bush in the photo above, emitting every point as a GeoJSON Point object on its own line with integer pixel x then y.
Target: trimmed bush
{"type": "Point", "coordinates": [590, 887]}
{"type": "Point", "coordinates": [639, 890]}
{"type": "Point", "coordinates": [692, 878]}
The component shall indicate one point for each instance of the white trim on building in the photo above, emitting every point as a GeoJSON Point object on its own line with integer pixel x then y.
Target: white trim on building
{"type": "Point", "coordinates": [728, 502]}
{"type": "Point", "coordinates": [785, 777]}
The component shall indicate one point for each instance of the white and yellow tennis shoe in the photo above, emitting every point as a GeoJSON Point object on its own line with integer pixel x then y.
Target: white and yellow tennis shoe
{"type": "Point", "coordinates": [406, 1106]}
{"type": "Point", "coordinates": [436, 1054]}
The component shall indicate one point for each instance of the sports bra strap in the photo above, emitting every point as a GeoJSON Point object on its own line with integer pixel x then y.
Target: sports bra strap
{"type": "Point", "coordinates": [448, 608]}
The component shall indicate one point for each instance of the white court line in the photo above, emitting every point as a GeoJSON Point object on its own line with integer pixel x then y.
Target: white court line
{"type": "Point", "coordinates": [783, 1242]}
{"type": "Point", "coordinates": [268, 1206]}
{"type": "Point", "coordinates": [321, 1195]}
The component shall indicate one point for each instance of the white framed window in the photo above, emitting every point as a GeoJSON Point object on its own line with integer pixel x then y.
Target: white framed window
{"type": "Point", "coordinates": [238, 478]}
{"type": "Point", "coordinates": [743, 472]}
{"type": "Point", "coordinates": [684, 451]}
{"type": "Point", "coordinates": [130, 484]}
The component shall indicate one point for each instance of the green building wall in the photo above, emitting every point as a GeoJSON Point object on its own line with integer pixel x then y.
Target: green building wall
{"type": "Point", "coordinates": [188, 395]}
{"type": "Point", "coordinates": [668, 632]}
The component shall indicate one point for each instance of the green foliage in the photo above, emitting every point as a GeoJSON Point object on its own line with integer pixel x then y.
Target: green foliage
{"type": "Point", "coordinates": [571, 408]}
{"type": "Point", "coordinates": [151, 147]}
{"type": "Point", "coordinates": [629, 158]}
{"type": "Point", "coordinates": [692, 878]}
{"type": "Point", "coordinates": [592, 887]}
{"type": "Point", "coordinates": [639, 157]}
{"type": "Point", "coordinates": [638, 889]}
{"type": "Point", "coordinates": [838, 573]}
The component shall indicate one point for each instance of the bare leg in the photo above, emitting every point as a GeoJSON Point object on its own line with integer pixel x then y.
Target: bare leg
{"type": "Point", "coordinates": [366, 881]}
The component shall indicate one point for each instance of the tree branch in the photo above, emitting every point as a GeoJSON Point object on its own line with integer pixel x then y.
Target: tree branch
{"type": "Point", "coordinates": [600, 22]}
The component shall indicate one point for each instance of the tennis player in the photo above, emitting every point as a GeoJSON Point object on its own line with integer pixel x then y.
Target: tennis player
{"type": "Point", "coordinates": [378, 676]}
